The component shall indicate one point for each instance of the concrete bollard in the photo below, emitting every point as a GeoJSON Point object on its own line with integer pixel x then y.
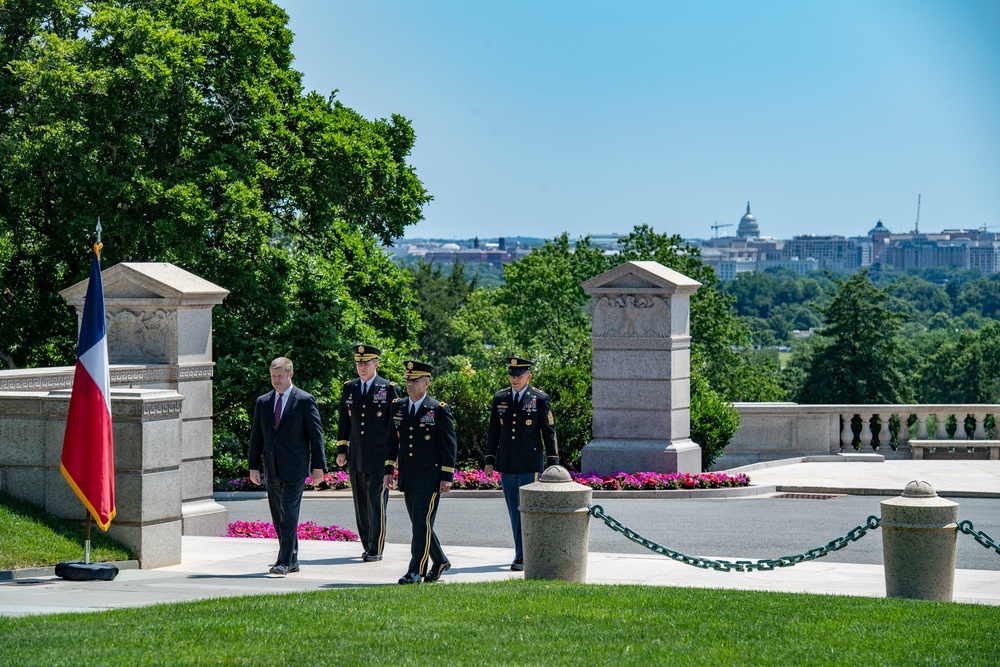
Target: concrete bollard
{"type": "Point", "coordinates": [919, 532]}
{"type": "Point", "coordinates": [555, 527]}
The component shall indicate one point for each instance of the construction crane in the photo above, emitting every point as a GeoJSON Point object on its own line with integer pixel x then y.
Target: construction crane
{"type": "Point", "coordinates": [718, 226]}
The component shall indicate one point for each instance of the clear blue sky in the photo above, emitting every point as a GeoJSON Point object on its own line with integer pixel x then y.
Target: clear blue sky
{"type": "Point", "coordinates": [534, 117]}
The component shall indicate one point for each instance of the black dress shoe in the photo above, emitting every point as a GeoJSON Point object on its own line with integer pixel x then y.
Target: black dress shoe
{"type": "Point", "coordinates": [410, 578]}
{"type": "Point", "coordinates": [437, 569]}
{"type": "Point", "coordinates": [293, 568]}
{"type": "Point", "coordinates": [371, 558]}
{"type": "Point", "coordinates": [517, 565]}
{"type": "Point", "coordinates": [277, 568]}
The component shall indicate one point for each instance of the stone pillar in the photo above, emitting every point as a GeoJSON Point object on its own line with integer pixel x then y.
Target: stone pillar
{"type": "Point", "coordinates": [555, 527]}
{"type": "Point", "coordinates": [159, 324]}
{"type": "Point", "coordinates": [642, 371]}
{"type": "Point", "coordinates": [919, 532]}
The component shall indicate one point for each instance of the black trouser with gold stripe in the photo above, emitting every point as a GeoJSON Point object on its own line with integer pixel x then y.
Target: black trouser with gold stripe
{"type": "Point", "coordinates": [370, 500]}
{"type": "Point", "coordinates": [424, 548]}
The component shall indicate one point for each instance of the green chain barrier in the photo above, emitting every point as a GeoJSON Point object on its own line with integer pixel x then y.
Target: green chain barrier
{"type": "Point", "coordinates": [741, 565]}
{"type": "Point", "coordinates": [981, 537]}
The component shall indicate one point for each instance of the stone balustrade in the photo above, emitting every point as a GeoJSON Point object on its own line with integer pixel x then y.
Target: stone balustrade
{"type": "Point", "coordinates": [772, 431]}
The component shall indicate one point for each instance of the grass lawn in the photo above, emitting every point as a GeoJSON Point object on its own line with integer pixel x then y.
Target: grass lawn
{"type": "Point", "coordinates": [30, 537]}
{"type": "Point", "coordinates": [515, 623]}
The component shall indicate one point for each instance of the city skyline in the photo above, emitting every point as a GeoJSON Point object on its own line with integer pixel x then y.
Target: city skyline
{"type": "Point", "coordinates": [591, 118]}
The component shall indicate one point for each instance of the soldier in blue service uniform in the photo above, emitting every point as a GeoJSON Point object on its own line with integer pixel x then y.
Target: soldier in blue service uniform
{"type": "Point", "coordinates": [521, 426]}
{"type": "Point", "coordinates": [362, 438]}
{"type": "Point", "coordinates": [422, 443]}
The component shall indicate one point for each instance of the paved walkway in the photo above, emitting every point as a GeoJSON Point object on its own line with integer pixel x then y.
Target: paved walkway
{"type": "Point", "coordinates": [221, 567]}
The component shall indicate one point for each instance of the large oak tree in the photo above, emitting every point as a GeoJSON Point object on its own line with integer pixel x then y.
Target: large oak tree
{"type": "Point", "coordinates": [183, 127]}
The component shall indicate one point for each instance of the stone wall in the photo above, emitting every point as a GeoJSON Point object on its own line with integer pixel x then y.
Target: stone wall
{"type": "Point", "coordinates": [159, 329]}
{"type": "Point", "coordinates": [148, 471]}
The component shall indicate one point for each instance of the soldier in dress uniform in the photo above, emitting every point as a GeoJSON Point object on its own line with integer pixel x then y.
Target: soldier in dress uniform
{"type": "Point", "coordinates": [422, 441]}
{"type": "Point", "coordinates": [521, 441]}
{"type": "Point", "coordinates": [362, 438]}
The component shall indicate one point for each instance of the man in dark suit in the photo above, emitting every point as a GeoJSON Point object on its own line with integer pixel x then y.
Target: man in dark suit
{"type": "Point", "coordinates": [362, 437]}
{"type": "Point", "coordinates": [521, 426]}
{"type": "Point", "coordinates": [287, 433]}
{"type": "Point", "coordinates": [423, 442]}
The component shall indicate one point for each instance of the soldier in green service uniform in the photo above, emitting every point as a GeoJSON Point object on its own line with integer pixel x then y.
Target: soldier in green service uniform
{"type": "Point", "coordinates": [362, 438]}
{"type": "Point", "coordinates": [521, 441]}
{"type": "Point", "coordinates": [422, 440]}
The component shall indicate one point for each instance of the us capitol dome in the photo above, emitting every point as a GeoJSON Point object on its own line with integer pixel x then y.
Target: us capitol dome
{"type": "Point", "coordinates": [748, 225]}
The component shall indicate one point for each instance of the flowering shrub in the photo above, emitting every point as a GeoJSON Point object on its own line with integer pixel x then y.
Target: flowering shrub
{"type": "Point", "coordinates": [334, 480]}
{"type": "Point", "coordinates": [477, 480]}
{"type": "Point", "coordinates": [306, 531]}
{"type": "Point", "coordinates": [655, 481]}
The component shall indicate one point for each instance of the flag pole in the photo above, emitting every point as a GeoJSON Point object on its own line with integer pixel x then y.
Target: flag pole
{"type": "Point", "coordinates": [86, 543]}
{"type": "Point", "coordinates": [88, 456]}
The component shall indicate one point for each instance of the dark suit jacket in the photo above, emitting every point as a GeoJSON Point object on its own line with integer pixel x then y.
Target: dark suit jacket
{"type": "Point", "coordinates": [286, 452]}
{"type": "Point", "coordinates": [517, 433]}
{"type": "Point", "coordinates": [425, 446]}
{"type": "Point", "coordinates": [363, 428]}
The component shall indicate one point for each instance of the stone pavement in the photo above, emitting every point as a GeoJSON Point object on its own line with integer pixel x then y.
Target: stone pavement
{"type": "Point", "coordinates": [221, 567]}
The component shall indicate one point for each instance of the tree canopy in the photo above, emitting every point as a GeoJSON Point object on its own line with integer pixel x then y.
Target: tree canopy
{"type": "Point", "coordinates": [859, 359]}
{"type": "Point", "coordinates": [182, 126]}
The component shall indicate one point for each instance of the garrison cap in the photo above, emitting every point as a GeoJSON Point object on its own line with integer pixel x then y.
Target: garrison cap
{"type": "Point", "coordinates": [518, 366]}
{"type": "Point", "coordinates": [366, 352]}
{"type": "Point", "coordinates": [416, 369]}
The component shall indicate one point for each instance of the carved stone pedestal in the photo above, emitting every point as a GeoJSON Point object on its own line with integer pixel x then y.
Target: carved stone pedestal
{"type": "Point", "coordinates": [642, 371]}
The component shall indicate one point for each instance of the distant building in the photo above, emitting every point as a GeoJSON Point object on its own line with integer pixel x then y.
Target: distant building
{"type": "Point", "coordinates": [748, 225]}
{"type": "Point", "coordinates": [835, 253]}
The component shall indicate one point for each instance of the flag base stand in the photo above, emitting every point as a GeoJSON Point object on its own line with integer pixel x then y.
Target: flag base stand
{"type": "Point", "coordinates": [80, 571]}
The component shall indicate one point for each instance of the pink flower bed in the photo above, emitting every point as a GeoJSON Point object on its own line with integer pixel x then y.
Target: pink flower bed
{"type": "Point", "coordinates": [306, 531]}
{"type": "Point", "coordinates": [478, 480]}
{"type": "Point", "coordinates": [655, 481]}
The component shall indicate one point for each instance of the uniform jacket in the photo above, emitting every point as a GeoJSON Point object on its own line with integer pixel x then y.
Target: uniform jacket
{"type": "Point", "coordinates": [292, 450]}
{"type": "Point", "coordinates": [425, 446]}
{"type": "Point", "coordinates": [521, 438]}
{"type": "Point", "coordinates": [363, 428]}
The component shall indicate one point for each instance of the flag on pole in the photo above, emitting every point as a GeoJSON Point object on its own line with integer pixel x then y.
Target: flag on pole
{"type": "Point", "coordinates": [88, 459]}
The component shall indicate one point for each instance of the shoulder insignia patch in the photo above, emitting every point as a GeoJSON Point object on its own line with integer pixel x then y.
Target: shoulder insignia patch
{"type": "Point", "coordinates": [443, 404]}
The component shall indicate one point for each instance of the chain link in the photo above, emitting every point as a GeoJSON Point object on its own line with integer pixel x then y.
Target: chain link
{"type": "Point", "coordinates": [746, 565]}
{"type": "Point", "coordinates": [981, 537]}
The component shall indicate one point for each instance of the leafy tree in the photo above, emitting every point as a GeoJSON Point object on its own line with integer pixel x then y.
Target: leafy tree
{"type": "Point", "coordinates": [439, 298]}
{"type": "Point", "coordinates": [859, 361]}
{"type": "Point", "coordinates": [716, 331]}
{"type": "Point", "coordinates": [545, 307]}
{"type": "Point", "coordinates": [981, 296]}
{"type": "Point", "coordinates": [181, 124]}
{"type": "Point", "coordinates": [714, 420]}
{"type": "Point", "coordinates": [920, 296]}
{"type": "Point", "coordinates": [964, 371]}
{"type": "Point", "coordinates": [483, 326]}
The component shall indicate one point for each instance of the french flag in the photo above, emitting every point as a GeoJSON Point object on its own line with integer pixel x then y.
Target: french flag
{"type": "Point", "coordinates": [88, 458]}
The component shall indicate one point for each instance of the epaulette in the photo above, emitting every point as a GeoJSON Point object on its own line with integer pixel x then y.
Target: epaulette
{"type": "Point", "coordinates": [393, 384]}
{"type": "Point", "coordinates": [443, 404]}
{"type": "Point", "coordinates": [348, 382]}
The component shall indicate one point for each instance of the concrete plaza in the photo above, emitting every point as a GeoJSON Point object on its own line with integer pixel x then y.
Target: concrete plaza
{"type": "Point", "coordinates": [214, 567]}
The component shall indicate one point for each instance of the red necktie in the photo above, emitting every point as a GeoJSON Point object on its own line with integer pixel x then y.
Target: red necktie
{"type": "Point", "coordinates": [277, 411]}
